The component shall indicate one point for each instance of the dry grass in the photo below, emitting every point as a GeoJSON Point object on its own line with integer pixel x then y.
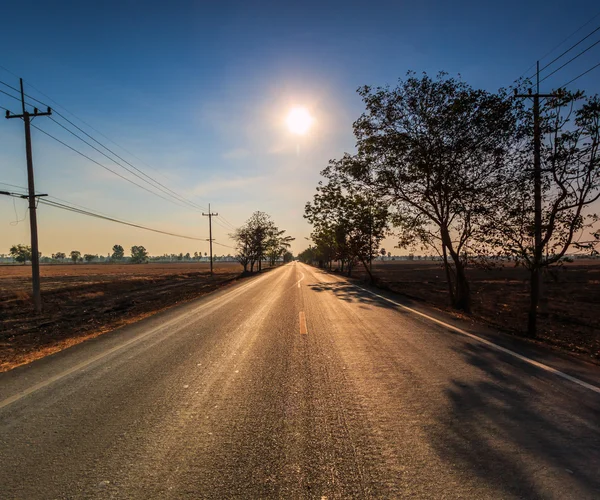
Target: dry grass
{"type": "Point", "coordinates": [86, 300]}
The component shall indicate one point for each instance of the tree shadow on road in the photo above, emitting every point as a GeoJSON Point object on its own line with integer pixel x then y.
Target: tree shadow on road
{"type": "Point", "coordinates": [350, 293]}
{"type": "Point", "coordinates": [518, 434]}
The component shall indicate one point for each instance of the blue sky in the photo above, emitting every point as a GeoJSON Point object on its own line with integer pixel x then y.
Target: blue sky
{"type": "Point", "coordinates": [199, 91]}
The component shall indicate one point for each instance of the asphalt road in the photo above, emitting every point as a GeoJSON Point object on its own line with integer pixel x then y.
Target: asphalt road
{"type": "Point", "coordinates": [297, 384]}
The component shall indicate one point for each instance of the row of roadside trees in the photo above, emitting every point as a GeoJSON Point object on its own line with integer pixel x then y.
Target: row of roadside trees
{"type": "Point", "coordinates": [447, 168]}
{"type": "Point", "coordinates": [260, 240]}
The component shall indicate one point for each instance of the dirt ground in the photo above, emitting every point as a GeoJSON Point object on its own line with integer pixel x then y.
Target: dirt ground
{"type": "Point", "coordinates": [85, 300]}
{"type": "Point", "coordinates": [501, 297]}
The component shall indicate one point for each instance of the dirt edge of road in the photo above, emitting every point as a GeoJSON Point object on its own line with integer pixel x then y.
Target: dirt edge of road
{"type": "Point", "coordinates": [43, 338]}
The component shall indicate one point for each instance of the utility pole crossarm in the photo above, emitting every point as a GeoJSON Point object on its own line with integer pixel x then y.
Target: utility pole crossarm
{"type": "Point", "coordinates": [210, 215]}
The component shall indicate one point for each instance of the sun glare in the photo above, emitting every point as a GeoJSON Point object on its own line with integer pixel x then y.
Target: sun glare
{"type": "Point", "coordinates": [299, 121]}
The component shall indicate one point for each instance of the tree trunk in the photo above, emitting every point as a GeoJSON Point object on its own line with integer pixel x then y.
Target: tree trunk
{"type": "Point", "coordinates": [368, 270]}
{"type": "Point", "coordinates": [534, 300]}
{"type": "Point", "coordinates": [342, 265]}
{"type": "Point", "coordinates": [448, 274]}
{"type": "Point", "coordinates": [461, 294]}
{"type": "Point", "coordinates": [462, 298]}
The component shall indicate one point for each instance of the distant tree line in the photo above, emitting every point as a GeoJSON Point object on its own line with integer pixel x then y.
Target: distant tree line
{"type": "Point", "coordinates": [138, 255]}
{"type": "Point", "coordinates": [447, 168]}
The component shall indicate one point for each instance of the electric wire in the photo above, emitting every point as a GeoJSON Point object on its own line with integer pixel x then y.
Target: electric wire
{"type": "Point", "coordinates": [13, 185]}
{"type": "Point", "coordinates": [222, 245]}
{"type": "Point", "coordinates": [75, 208]}
{"type": "Point", "coordinates": [113, 160]}
{"type": "Point", "coordinates": [103, 166]}
{"type": "Point", "coordinates": [570, 48]}
{"type": "Point", "coordinates": [173, 193]}
{"type": "Point", "coordinates": [570, 61]}
{"type": "Point", "coordinates": [557, 46]}
{"type": "Point", "coordinates": [112, 219]}
{"type": "Point", "coordinates": [84, 208]}
{"type": "Point", "coordinates": [220, 224]}
{"type": "Point", "coordinates": [227, 223]}
{"type": "Point", "coordinates": [164, 188]}
{"type": "Point", "coordinates": [579, 76]}
{"type": "Point", "coordinates": [10, 95]}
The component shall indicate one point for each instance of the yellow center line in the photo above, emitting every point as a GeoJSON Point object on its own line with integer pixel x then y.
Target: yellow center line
{"type": "Point", "coordinates": [303, 329]}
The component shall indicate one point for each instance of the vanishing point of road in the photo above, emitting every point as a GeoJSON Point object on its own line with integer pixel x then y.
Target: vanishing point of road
{"type": "Point", "coordinates": [299, 384]}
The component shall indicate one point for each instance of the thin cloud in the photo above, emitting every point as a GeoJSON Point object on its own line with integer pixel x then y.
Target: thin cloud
{"type": "Point", "coordinates": [236, 154]}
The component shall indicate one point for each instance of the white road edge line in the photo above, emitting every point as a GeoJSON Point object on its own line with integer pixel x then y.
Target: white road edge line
{"type": "Point", "coordinates": [530, 361]}
{"type": "Point", "coordinates": [40, 385]}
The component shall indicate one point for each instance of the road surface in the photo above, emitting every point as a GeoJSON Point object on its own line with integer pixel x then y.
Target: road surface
{"type": "Point", "coordinates": [297, 384]}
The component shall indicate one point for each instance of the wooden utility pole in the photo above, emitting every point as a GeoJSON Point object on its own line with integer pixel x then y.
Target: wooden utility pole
{"type": "Point", "coordinates": [536, 272]}
{"type": "Point", "coordinates": [210, 215]}
{"type": "Point", "coordinates": [35, 256]}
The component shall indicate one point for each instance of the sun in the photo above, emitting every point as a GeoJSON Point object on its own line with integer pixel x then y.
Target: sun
{"type": "Point", "coordinates": [299, 121]}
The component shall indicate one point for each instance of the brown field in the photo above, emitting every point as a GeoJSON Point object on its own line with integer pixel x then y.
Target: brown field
{"type": "Point", "coordinates": [85, 300]}
{"type": "Point", "coordinates": [501, 297]}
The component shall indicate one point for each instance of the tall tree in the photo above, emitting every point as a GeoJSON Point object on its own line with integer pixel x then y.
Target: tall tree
{"type": "Point", "coordinates": [59, 256]}
{"type": "Point", "coordinates": [139, 255]}
{"type": "Point", "coordinates": [21, 253]}
{"type": "Point", "coordinates": [433, 150]}
{"type": "Point", "coordinates": [118, 252]}
{"type": "Point", "coordinates": [257, 239]}
{"type": "Point", "coordinates": [75, 256]}
{"type": "Point", "coordinates": [348, 224]}
{"type": "Point", "coordinates": [570, 160]}
{"type": "Point", "coordinates": [277, 245]}
{"type": "Point", "coordinates": [88, 257]}
{"type": "Point", "coordinates": [243, 239]}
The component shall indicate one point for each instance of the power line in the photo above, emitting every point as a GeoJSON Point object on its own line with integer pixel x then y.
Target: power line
{"type": "Point", "coordinates": [569, 61]}
{"type": "Point", "coordinates": [222, 225]}
{"type": "Point", "coordinates": [10, 95]}
{"type": "Point", "coordinates": [557, 46]}
{"type": "Point", "coordinates": [229, 224]}
{"type": "Point", "coordinates": [84, 208]}
{"type": "Point", "coordinates": [13, 185]}
{"type": "Point", "coordinates": [156, 184]}
{"type": "Point", "coordinates": [226, 246]}
{"type": "Point", "coordinates": [61, 200]}
{"type": "Point", "coordinates": [173, 193]}
{"type": "Point", "coordinates": [11, 87]}
{"type": "Point", "coordinates": [112, 219]}
{"type": "Point", "coordinates": [180, 197]}
{"type": "Point", "coordinates": [103, 166]}
{"type": "Point", "coordinates": [582, 74]}
{"type": "Point", "coordinates": [111, 159]}
{"type": "Point", "coordinates": [570, 48]}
